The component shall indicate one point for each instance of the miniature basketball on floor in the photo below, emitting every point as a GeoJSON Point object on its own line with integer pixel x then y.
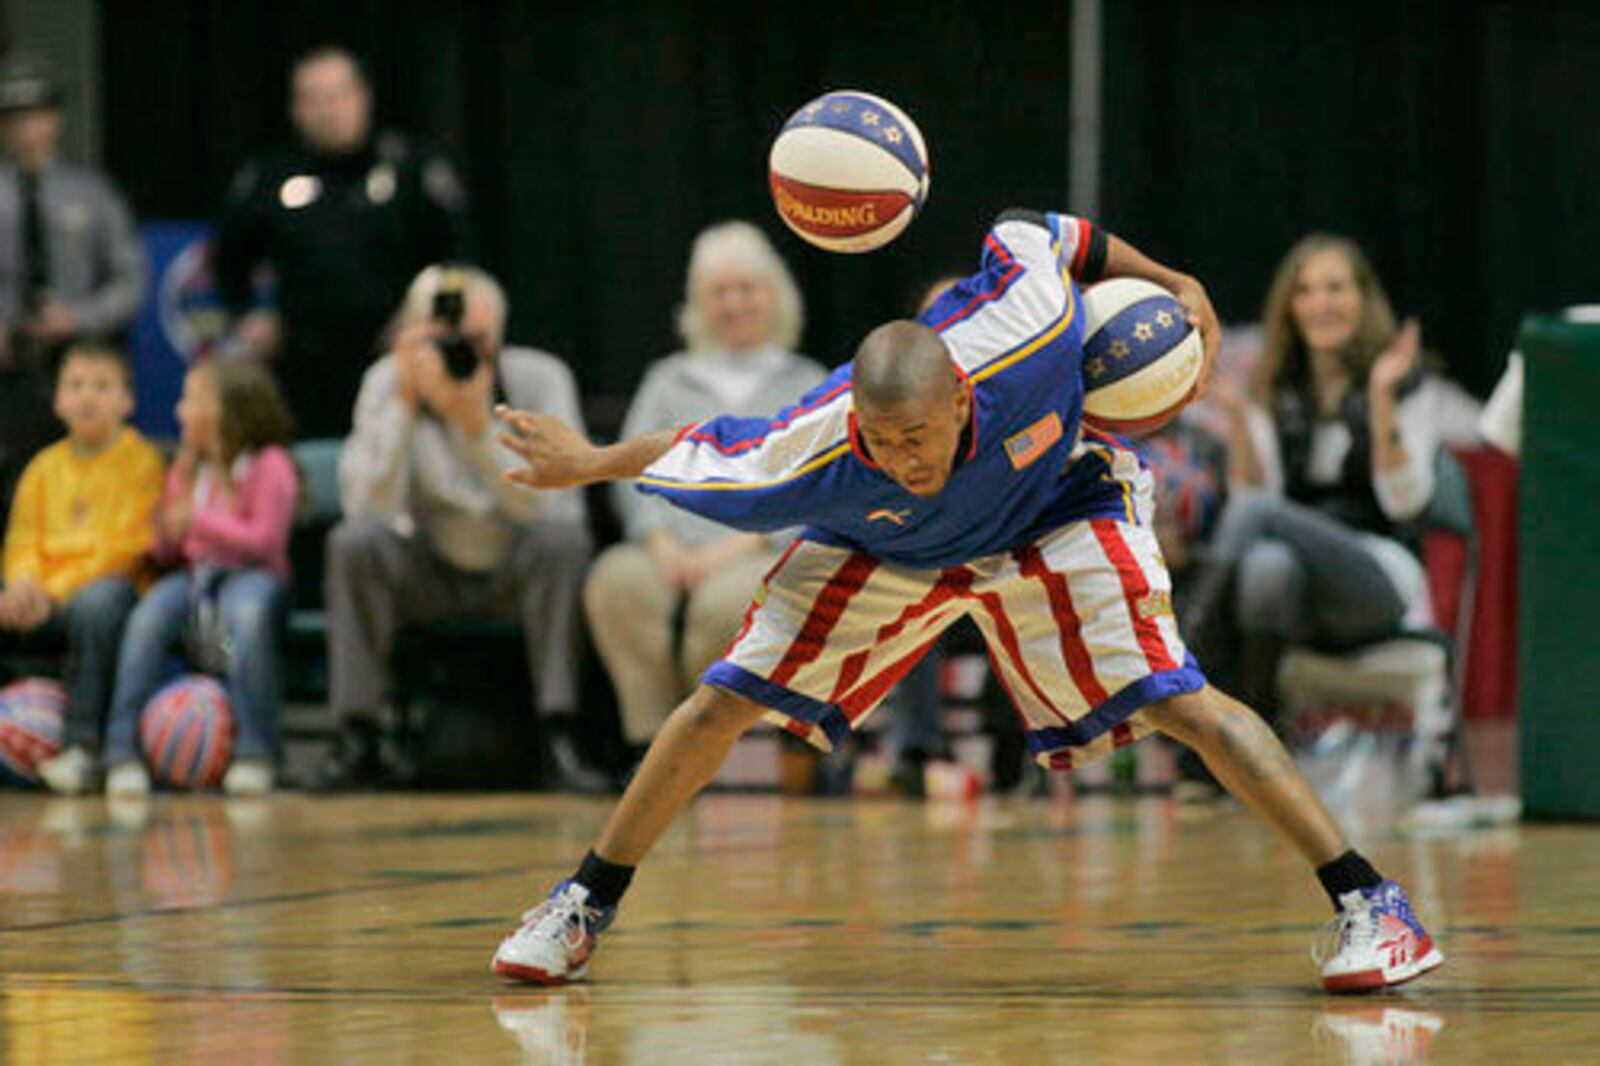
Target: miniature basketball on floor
{"type": "Point", "coordinates": [30, 727]}
{"type": "Point", "coordinates": [1141, 358]}
{"type": "Point", "coordinates": [849, 171]}
{"type": "Point", "coordinates": [186, 732]}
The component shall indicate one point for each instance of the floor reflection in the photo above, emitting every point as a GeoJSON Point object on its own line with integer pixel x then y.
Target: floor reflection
{"type": "Point", "coordinates": [358, 930]}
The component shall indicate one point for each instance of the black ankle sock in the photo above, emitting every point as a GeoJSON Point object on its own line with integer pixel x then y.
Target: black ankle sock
{"type": "Point", "coordinates": [1345, 874]}
{"type": "Point", "coordinates": [606, 881]}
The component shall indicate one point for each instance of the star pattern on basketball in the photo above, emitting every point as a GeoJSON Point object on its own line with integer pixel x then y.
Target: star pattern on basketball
{"type": "Point", "coordinates": [1142, 331]}
{"type": "Point", "coordinates": [841, 107]}
{"type": "Point", "coordinates": [1097, 366]}
{"type": "Point", "coordinates": [1119, 349]}
{"type": "Point", "coordinates": [1163, 319]}
{"type": "Point", "coordinates": [869, 118]}
{"type": "Point", "coordinates": [892, 135]}
{"type": "Point", "coordinates": [812, 109]}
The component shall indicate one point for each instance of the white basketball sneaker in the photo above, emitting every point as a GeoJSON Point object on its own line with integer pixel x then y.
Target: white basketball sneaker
{"type": "Point", "coordinates": [1375, 942]}
{"type": "Point", "coordinates": [128, 779]}
{"type": "Point", "coordinates": [556, 939]}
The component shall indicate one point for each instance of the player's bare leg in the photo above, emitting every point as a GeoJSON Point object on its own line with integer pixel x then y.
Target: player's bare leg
{"type": "Point", "coordinates": [1245, 755]}
{"type": "Point", "coordinates": [684, 756]}
{"type": "Point", "coordinates": [1376, 940]}
{"type": "Point", "coordinates": [557, 937]}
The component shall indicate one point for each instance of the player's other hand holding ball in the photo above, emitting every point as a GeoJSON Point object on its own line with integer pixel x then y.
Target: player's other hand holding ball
{"type": "Point", "coordinates": [1202, 317]}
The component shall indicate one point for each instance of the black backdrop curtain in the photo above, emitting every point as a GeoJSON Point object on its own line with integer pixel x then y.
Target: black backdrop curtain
{"type": "Point", "coordinates": [1455, 140]}
{"type": "Point", "coordinates": [598, 141]}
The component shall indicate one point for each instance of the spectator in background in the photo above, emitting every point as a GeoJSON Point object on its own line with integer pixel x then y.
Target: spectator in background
{"type": "Point", "coordinates": [432, 532]}
{"type": "Point", "coordinates": [346, 217]}
{"type": "Point", "coordinates": [664, 604]}
{"type": "Point", "coordinates": [224, 519]}
{"type": "Point", "coordinates": [1330, 468]}
{"type": "Point", "coordinates": [75, 543]}
{"type": "Point", "coordinates": [70, 262]}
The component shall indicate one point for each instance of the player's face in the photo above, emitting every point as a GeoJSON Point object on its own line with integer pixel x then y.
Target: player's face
{"type": "Point", "coordinates": [915, 441]}
{"type": "Point", "coordinates": [92, 398]}
{"type": "Point", "coordinates": [739, 306]}
{"type": "Point", "coordinates": [332, 108]}
{"type": "Point", "coordinates": [1327, 302]}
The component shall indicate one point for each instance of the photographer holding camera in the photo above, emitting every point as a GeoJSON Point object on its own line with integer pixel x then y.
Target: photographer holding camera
{"type": "Point", "coordinates": [432, 532]}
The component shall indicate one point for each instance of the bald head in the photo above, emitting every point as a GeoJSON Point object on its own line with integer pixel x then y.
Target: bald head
{"type": "Point", "coordinates": [902, 361]}
{"type": "Point", "coordinates": [910, 406]}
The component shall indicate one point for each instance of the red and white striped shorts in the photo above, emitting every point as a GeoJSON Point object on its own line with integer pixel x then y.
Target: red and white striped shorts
{"type": "Point", "coordinates": [1079, 626]}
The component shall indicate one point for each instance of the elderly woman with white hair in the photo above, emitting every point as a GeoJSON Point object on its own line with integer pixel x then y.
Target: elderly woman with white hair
{"type": "Point", "coordinates": [663, 604]}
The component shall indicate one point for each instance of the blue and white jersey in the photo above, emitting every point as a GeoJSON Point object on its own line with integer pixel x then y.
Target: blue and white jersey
{"type": "Point", "coordinates": [1015, 332]}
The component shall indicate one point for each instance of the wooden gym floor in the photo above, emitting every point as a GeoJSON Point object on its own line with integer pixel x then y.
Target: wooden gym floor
{"type": "Point", "coordinates": [304, 929]}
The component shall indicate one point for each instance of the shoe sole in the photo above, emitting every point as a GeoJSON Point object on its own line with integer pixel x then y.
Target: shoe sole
{"type": "Point", "coordinates": [532, 975]}
{"type": "Point", "coordinates": [1373, 980]}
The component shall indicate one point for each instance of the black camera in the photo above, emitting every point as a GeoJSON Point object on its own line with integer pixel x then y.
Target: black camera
{"type": "Point", "coordinates": [460, 355]}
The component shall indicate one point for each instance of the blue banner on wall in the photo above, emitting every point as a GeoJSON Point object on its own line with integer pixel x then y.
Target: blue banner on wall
{"type": "Point", "coordinates": [181, 320]}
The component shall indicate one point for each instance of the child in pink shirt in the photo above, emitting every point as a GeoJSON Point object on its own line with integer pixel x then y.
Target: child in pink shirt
{"type": "Point", "coordinates": [225, 519]}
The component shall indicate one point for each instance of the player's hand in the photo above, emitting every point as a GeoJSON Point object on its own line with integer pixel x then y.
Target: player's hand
{"type": "Point", "coordinates": [1397, 360]}
{"type": "Point", "coordinates": [557, 455]}
{"type": "Point", "coordinates": [1192, 295]}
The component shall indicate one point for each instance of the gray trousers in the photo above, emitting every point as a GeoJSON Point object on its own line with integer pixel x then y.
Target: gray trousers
{"type": "Point", "coordinates": [1278, 569]}
{"type": "Point", "coordinates": [378, 581]}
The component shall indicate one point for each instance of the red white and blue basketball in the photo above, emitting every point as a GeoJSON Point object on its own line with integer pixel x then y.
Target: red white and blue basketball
{"type": "Point", "coordinates": [849, 171]}
{"type": "Point", "coordinates": [30, 727]}
{"type": "Point", "coordinates": [1141, 357]}
{"type": "Point", "coordinates": [186, 732]}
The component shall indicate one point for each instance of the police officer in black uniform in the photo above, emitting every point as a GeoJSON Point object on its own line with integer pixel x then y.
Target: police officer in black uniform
{"type": "Point", "coordinates": [346, 217]}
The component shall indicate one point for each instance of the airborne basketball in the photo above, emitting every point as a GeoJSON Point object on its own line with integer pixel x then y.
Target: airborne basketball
{"type": "Point", "coordinates": [849, 171]}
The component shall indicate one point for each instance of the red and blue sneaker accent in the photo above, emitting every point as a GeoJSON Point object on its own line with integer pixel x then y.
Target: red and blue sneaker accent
{"type": "Point", "coordinates": [555, 940]}
{"type": "Point", "coordinates": [1375, 942]}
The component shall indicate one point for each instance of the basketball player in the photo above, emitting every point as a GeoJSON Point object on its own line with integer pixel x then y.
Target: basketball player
{"type": "Point", "coordinates": [945, 472]}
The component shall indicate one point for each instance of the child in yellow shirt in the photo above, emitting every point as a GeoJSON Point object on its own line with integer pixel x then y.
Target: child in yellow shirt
{"type": "Point", "coordinates": [81, 524]}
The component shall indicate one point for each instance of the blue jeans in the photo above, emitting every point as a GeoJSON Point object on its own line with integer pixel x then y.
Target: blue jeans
{"type": "Point", "coordinates": [90, 626]}
{"type": "Point", "coordinates": [252, 605]}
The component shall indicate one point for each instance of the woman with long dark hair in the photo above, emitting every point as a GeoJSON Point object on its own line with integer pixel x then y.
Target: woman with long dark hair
{"type": "Point", "coordinates": [1331, 467]}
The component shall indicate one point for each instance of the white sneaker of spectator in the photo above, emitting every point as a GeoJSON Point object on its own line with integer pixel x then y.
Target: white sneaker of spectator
{"type": "Point", "coordinates": [71, 773]}
{"type": "Point", "coordinates": [248, 777]}
{"type": "Point", "coordinates": [128, 779]}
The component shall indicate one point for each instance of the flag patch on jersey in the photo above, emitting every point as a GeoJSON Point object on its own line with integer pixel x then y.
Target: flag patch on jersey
{"type": "Point", "coordinates": [1023, 448]}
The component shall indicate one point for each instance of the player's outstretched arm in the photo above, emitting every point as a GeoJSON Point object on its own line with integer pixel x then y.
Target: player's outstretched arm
{"type": "Point", "coordinates": [1123, 260]}
{"type": "Point", "coordinates": [558, 456]}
